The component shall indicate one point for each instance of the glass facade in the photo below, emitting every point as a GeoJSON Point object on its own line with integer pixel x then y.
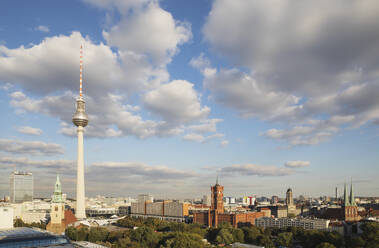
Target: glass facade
{"type": "Point", "coordinates": [21, 187]}
{"type": "Point", "coordinates": [28, 237]}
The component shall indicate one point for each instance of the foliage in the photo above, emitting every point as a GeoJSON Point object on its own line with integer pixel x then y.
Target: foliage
{"type": "Point", "coordinates": [284, 239]}
{"type": "Point", "coordinates": [98, 234]}
{"type": "Point", "coordinates": [224, 236]}
{"type": "Point", "coordinates": [157, 233]}
{"type": "Point", "coordinates": [370, 233]}
{"type": "Point", "coordinates": [20, 223]}
{"type": "Point", "coordinates": [325, 245]}
{"type": "Point", "coordinates": [144, 236]}
{"type": "Point", "coordinates": [182, 240]}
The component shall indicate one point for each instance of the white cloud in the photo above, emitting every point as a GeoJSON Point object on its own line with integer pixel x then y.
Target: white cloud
{"type": "Point", "coordinates": [149, 30]}
{"type": "Point", "coordinates": [254, 169]}
{"type": "Point", "coordinates": [205, 126]}
{"type": "Point", "coordinates": [297, 164]}
{"type": "Point", "coordinates": [42, 28]}
{"type": "Point", "coordinates": [202, 139]}
{"type": "Point", "coordinates": [30, 147]}
{"type": "Point", "coordinates": [176, 101]}
{"type": "Point", "coordinates": [313, 133]}
{"type": "Point", "coordinates": [30, 130]}
{"type": "Point", "coordinates": [293, 65]}
{"type": "Point", "coordinates": [238, 90]}
{"type": "Point", "coordinates": [194, 137]}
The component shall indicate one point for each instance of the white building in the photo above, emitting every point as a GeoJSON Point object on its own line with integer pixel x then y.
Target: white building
{"type": "Point", "coordinates": [6, 217]}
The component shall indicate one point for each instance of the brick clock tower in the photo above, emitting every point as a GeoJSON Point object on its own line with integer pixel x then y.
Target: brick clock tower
{"type": "Point", "coordinates": [217, 198]}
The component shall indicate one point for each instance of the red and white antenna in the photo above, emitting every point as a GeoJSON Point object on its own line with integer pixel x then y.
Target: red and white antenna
{"type": "Point", "coordinates": [81, 71]}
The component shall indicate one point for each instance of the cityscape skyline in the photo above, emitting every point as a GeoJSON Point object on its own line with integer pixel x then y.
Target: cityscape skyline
{"type": "Point", "coordinates": [174, 101]}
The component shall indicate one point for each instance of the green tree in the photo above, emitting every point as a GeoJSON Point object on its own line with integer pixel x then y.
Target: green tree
{"type": "Point", "coordinates": [224, 236]}
{"type": "Point", "coordinates": [284, 239]}
{"type": "Point", "coordinates": [238, 235]}
{"type": "Point", "coordinates": [370, 233]}
{"type": "Point", "coordinates": [251, 234]}
{"type": "Point", "coordinates": [182, 240]}
{"type": "Point", "coordinates": [97, 234]}
{"type": "Point", "coordinates": [82, 234]}
{"type": "Point", "coordinates": [266, 241]}
{"type": "Point", "coordinates": [145, 236]}
{"type": "Point", "coordinates": [335, 239]}
{"type": "Point", "coordinates": [354, 242]}
{"type": "Point", "coordinates": [325, 245]}
{"type": "Point", "coordinates": [72, 233]}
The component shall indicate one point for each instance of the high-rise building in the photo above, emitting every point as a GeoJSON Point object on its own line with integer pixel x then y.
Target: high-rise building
{"type": "Point", "coordinates": [289, 197]}
{"type": "Point", "coordinates": [21, 186]}
{"type": "Point", "coordinates": [80, 119]}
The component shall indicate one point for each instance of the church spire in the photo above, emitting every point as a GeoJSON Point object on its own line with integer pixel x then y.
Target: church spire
{"type": "Point", "coordinates": [345, 197]}
{"type": "Point", "coordinates": [57, 196]}
{"type": "Point", "coordinates": [352, 200]}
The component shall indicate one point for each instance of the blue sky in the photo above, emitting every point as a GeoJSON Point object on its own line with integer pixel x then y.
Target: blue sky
{"type": "Point", "coordinates": [266, 94]}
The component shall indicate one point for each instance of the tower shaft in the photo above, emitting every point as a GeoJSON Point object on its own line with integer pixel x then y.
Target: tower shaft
{"type": "Point", "coordinates": [80, 211]}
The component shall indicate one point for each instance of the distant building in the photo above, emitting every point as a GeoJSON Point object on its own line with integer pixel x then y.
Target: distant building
{"type": "Point", "coordinates": [6, 217]}
{"type": "Point", "coordinates": [307, 224]}
{"type": "Point", "coordinates": [21, 187]}
{"type": "Point", "coordinates": [206, 200]}
{"type": "Point", "coordinates": [216, 215]}
{"type": "Point", "coordinates": [349, 210]}
{"type": "Point", "coordinates": [274, 199]}
{"type": "Point", "coordinates": [165, 210]}
{"type": "Point", "coordinates": [59, 217]}
{"type": "Point", "coordinates": [291, 207]}
{"type": "Point", "coordinates": [249, 200]}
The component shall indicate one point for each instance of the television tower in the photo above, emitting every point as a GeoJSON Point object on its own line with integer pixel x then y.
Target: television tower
{"type": "Point", "coordinates": [80, 119]}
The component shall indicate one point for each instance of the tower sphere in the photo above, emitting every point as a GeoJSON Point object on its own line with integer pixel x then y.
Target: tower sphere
{"type": "Point", "coordinates": [80, 117]}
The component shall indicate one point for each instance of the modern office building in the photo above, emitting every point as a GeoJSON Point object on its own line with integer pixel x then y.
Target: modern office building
{"type": "Point", "coordinates": [21, 187]}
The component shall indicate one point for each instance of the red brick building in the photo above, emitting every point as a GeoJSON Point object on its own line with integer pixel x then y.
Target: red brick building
{"type": "Point", "coordinates": [216, 215]}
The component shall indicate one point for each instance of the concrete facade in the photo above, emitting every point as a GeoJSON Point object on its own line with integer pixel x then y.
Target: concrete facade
{"type": "Point", "coordinates": [6, 217]}
{"type": "Point", "coordinates": [307, 224]}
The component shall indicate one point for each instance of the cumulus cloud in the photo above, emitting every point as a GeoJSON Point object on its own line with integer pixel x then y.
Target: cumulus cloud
{"type": "Point", "coordinates": [257, 170]}
{"type": "Point", "coordinates": [292, 64]}
{"type": "Point", "coordinates": [136, 70]}
{"type": "Point", "coordinates": [297, 164]}
{"type": "Point", "coordinates": [205, 126]}
{"type": "Point", "coordinates": [201, 138]}
{"type": "Point", "coordinates": [176, 101]}
{"type": "Point", "coordinates": [165, 34]}
{"type": "Point", "coordinates": [30, 147]}
{"type": "Point", "coordinates": [30, 130]}
{"type": "Point", "coordinates": [314, 132]}
{"type": "Point", "coordinates": [42, 28]}
{"type": "Point", "coordinates": [238, 90]}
